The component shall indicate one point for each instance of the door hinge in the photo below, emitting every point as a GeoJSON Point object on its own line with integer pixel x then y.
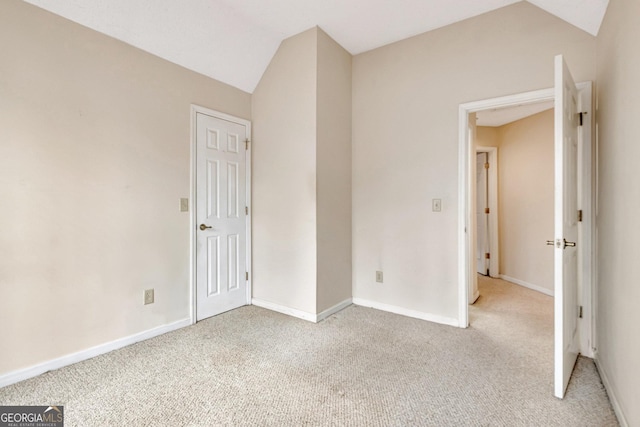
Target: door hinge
{"type": "Point", "coordinates": [580, 312]}
{"type": "Point", "coordinates": [487, 255]}
{"type": "Point", "coordinates": [486, 165]}
{"type": "Point", "coordinates": [246, 144]}
{"type": "Point", "coordinates": [487, 210]}
{"type": "Point", "coordinates": [246, 210]}
{"type": "Point", "coordinates": [246, 275]}
{"type": "Point", "coordinates": [580, 215]}
{"type": "Point", "coordinates": [581, 114]}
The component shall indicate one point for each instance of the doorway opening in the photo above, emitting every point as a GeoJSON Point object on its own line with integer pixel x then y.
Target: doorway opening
{"type": "Point", "coordinates": [585, 184]}
{"type": "Point", "coordinates": [514, 305]}
{"type": "Point", "coordinates": [509, 223]}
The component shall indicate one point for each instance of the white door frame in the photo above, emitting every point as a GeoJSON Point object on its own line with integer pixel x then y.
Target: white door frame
{"type": "Point", "coordinates": [466, 248]}
{"type": "Point", "coordinates": [192, 204]}
{"type": "Point", "coordinates": [494, 242]}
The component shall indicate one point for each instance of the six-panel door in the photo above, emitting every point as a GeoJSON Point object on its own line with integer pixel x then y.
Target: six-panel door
{"type": "Point", "coordinates": [220, 215]}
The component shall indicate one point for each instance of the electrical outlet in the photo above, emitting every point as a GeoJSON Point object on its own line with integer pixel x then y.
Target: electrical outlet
{"type": "Point", "coordinates": [436, 205]}
{"type": "Point", "coordinates": [148, 296]}
{"type": "Point", "coordinates": [379, 276]}
{"type": "Point", "coordinates": [184, 205]}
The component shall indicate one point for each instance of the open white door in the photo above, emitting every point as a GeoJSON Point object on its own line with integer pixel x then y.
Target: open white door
{"type": "Point", "coordinates": [567, 121]}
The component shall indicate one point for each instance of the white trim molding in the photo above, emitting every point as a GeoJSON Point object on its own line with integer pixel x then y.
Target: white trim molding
{"type": "Point", "coordinates": [51, 365]}
{"type": "Point", "coordinates": [613, 397]}
{"type": "Point", "coordinates": [284, 310]}
{"type": "Point", "coordinates": [333, 310]}
{"type": "Point", "coordinates": [406, 312]}
{"type": "Point", "coordinates": [527, 285]}
{"type": "Point", "coordinates": [310, 317]}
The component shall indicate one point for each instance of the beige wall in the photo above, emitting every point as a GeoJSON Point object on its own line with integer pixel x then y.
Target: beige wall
{"type": "Point", "coordinates": [486, 136]}
{"type": "Point", "coordinates": [525, 199]}
{"type": "Point", "coordinates": [405, 142]}
{"type": "Point", "coordinates": [302, 175]}
{"type": "Point", "coordinates": [94, 156]}
{"type": "Point", "coordinates": [284, 176]}
{"type": "Point", "coordinates": [618, 293]}
{"type": "Point", "coordinates": [334, 173]}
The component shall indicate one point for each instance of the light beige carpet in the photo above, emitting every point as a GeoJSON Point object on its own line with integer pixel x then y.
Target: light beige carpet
{"type": "Point", "coordinates": [360, 367]}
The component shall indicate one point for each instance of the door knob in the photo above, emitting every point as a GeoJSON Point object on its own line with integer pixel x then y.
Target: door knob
{"type": "Point", "coordinates": [563, 244]}
{"type": "Point", "coordinates": [204, 227]}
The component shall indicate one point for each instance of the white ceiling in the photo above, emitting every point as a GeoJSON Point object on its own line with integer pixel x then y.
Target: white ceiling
{"type": "Point", "coordinates": [501, 116]}
{"type": "Point", "coordinates": [234, 40]}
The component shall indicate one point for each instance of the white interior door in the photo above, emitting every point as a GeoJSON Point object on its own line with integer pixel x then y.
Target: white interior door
{"type": "Point", "coordinates": [221, 242]}
{"type": "Point", "coordinates": [566, 346]}
{"type": "Point", "coordinates": [482, 217]}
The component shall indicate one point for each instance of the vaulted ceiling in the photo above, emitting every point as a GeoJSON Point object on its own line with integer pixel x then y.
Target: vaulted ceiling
{"type": "Point", "coordinates": [234, 40]}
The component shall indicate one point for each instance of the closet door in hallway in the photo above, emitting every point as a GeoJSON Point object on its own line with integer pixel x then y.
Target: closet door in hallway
{"type": "Point", "coordinates": [482, 214]}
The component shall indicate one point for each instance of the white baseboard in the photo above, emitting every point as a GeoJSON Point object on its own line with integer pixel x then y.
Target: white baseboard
{"type": "Point", "coordinates": [284, 310]}
{"type": "Point", "coordinates": [612, 395]}
{"type": "Point", "coordinates": [332, 310]}
{"type": "Point", "coordinates": [315, 318]}
{"type": "Point", "coordinates": [406, 312]}
{"type": "Point", "coordinates": [33, 371]}
{"type": "Point", "coordinates": [527, 285]}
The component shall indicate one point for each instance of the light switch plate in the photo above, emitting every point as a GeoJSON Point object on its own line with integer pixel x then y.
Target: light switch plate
{"type": "Point", "coordinates": [184, 205]}
{"type": "Point", "coordinates": [436, 205]}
